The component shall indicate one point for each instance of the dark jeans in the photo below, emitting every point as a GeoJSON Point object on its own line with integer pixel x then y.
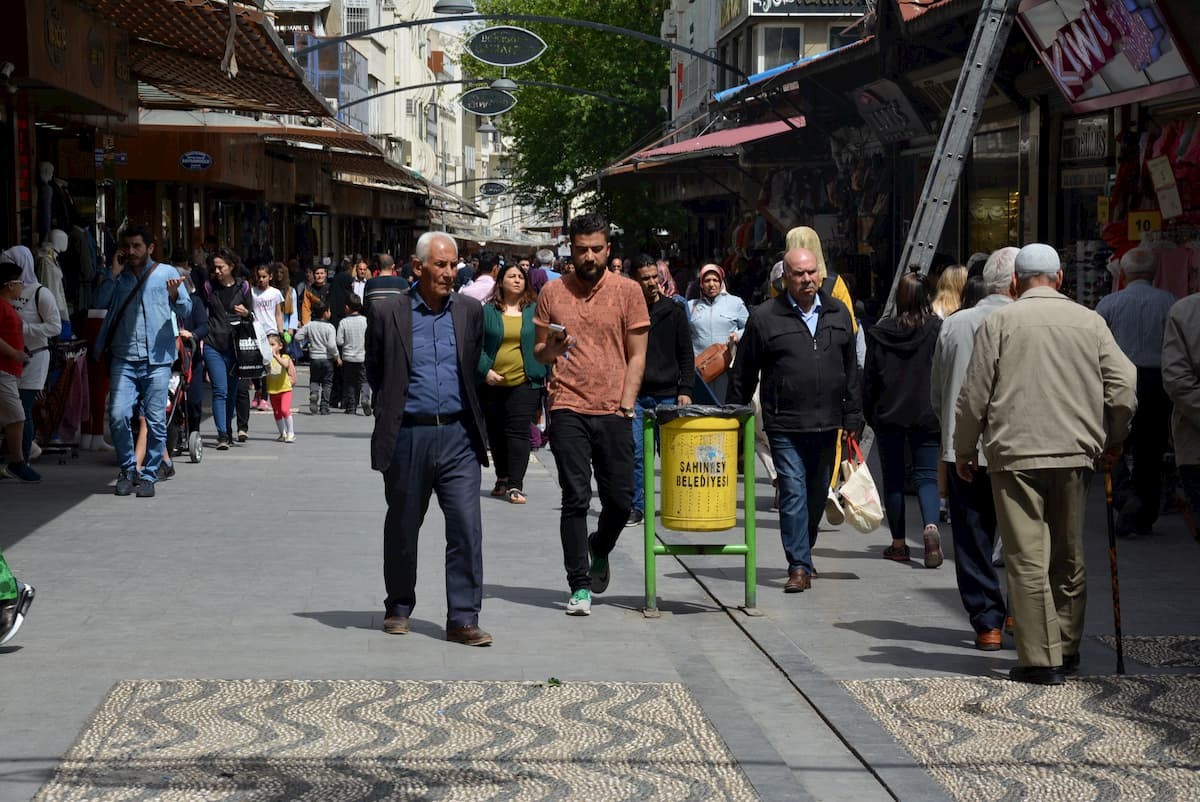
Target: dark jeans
{"type": "Point", "coordinates": [1147, 443]}
{"type": "Point", "coordinates": [925, 448]}
{"type": "Point", "coordinates": [509, 411]}
{"type": "Point", "coordinates": [221, 374]}
{"type": "Point", "coordinates": [644, 402]}
{"type": "Point", "coordinates": [434, 459]}
{"type": "Point", "coordinates": [243, 405]}
{"type": "Point", "coordinates": [804, 461]}
{"type": "Point", "coordinates": [195, 399]}
{"type": "Point", "coordinates": [353, 376]}
{"type": "Point", "coordinates": [320, 385]}
{"type": "Point", "coordinates": [581, 443]}
{"type": "Point", "coordinates": [1189, 478]}
{"type": "Point", "coordinates": [973, 524]}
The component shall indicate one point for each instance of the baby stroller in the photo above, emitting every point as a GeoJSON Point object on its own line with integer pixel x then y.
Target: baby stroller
{"type": "Point", "coordinates": [180, 437]}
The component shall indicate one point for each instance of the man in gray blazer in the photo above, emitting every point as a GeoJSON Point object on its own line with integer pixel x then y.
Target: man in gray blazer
{"type": "Point", "coordinates": [423, 347]}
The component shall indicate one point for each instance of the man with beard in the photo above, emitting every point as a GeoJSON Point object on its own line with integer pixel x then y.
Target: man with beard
{"type": "Point", "coordinates": [422, 352]}
{"type": "Point", "coordinates": [591, 325]}
{"type": "Point", "coordinates": [139, 334]}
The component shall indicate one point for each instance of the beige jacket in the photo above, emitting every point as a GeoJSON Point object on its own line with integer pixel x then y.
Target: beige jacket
{"type": "Point", "coordinates": [1181, 377]}
{"type": "Point", "coordinates": [1047, 387]}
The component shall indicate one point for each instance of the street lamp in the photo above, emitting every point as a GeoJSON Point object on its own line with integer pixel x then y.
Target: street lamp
{"type": "Point", "coordinates": [454, 7]}
{"type": "Point", "coordinates": [504, 84]}
{"type": "Point", "coordinates": [486, 128]}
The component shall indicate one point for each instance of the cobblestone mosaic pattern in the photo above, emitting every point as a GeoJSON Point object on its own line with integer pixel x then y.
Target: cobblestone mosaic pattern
{"type": "Point", "coordinates": [1160, 651]}
{"type": "Point", "coordinates": [369, 740]}
{"type": "Point", "coordinates": [1096, 738]}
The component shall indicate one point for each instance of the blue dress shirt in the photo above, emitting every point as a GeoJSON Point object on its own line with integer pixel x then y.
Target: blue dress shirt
{"type": "Point", "coordinates": [809, 317]}
{"type": "Point", "coordinates": [433, 383]}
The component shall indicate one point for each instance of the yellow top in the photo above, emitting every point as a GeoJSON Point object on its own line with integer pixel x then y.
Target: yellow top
{"type": "Point", "coordinates": [277, 375]}
{"type": "Point", "coordinates": [509, 362]}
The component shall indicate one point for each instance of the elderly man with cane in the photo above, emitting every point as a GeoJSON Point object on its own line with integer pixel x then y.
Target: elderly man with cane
{"type": "Point", "coordinates": [1051, 394]}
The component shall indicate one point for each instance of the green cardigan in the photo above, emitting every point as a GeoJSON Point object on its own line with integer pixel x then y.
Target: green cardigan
{"type": "Point", "coordinates": [493, 334]}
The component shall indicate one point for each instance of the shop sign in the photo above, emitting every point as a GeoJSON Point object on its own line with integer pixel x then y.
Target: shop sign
{"type": "Point", "coordinates": [1142, 223]}
{"type": "Point", "coordinates": [733, 12]}
{"type": "Point", "coordinates": [505, 46]}
{"type": "Point", "coordinates": [885, 107]}
{"type": "Point", "coordinates": [1106, 54]}
{"type": "Point", "coordinates": [1085, 139]}
{"type": "Point", "coordinates": [759, 8]}
{"type": "Point", "coordinates": [524, 200]}
{"type": "Point", "coordinates": [491, 189]}
{"type": "Point", "coordinates": [96, 60]}
{"type": "Point", "coordinates": [1085, 178]}
{"type": "Point", "coordinates": [56, 34]}
{"type": "Point", "coordinates": [195, 160]}
{"type": "Point", "coordinates": [487, 102]}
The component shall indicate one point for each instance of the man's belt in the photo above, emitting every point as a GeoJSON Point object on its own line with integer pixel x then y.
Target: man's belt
{"type": "Point", "coordinates": [443, 419]}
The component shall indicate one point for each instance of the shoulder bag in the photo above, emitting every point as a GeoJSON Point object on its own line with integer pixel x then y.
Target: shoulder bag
{"type": "Point", "coordinates": [104, 354]}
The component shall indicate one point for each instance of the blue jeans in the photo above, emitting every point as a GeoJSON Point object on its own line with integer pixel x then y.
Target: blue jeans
{"type": "Point", "coordinates": [925, 448]}
{"type": "Point", "coordinates": [222, 375]}
{"type": "Point", "coordinates": [643, 403]}
{"type": "Point", "coordinates": [137, 384]}
{"type": "Point", "coordinates": [804, 461]}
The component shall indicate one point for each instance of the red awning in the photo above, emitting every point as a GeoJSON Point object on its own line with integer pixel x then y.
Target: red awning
{"type": "Point", "coordinates": [718, 141]}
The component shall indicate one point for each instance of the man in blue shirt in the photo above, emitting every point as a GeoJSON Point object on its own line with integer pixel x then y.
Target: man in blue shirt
{"type": "Point", "coordinates": [1137, 317]}
{"type": "Point", "coordinates": [422, 352]}
{"type": "Point", "coordinates": [139, 333]}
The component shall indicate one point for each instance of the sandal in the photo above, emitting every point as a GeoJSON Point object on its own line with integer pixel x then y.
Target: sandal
{"type": "Point", "coordinates": [500, 489]}
{"type": "Point", "coordinates": [515, 496]}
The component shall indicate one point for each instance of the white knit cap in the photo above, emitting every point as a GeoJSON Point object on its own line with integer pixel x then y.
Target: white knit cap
{"type": "Point", "coordinates": [1038, 259]}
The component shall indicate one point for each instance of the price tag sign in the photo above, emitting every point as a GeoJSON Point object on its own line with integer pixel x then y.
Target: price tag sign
{"type": "Point", "coordinates": [1142, 223]}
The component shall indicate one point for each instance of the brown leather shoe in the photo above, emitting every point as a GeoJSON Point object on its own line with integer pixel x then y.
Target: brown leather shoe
{"type": "Point", "coordinates": [1008, 624]}
{"type": "Point", "coordinates": [396, 625]}
{"type": "Point", "coordinates": [798, 581]}
{"type": "Point", "coordinates": [469, 636]}
{"type": "Point", "coordinates": [989, 640]}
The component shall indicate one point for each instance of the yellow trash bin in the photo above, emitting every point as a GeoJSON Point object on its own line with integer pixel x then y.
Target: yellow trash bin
{"type": "Point", "coordinates": [699, 474]}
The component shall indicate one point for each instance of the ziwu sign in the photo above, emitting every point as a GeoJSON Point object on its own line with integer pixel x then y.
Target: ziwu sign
{"type": "Point", "coordinates": [1105, 53]}
{"type": "Point", "coordinates": [487, 102]}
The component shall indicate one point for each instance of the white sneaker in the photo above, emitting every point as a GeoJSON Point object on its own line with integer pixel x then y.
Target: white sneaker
{"type": "Point", "coordinates": [35, 451]}
{"type": "Point", "coordinates": [580, 602]}
{"type": "Point", "coordinates": [282, 438]}
{"type": "Point", "coordinates": [289, 438]}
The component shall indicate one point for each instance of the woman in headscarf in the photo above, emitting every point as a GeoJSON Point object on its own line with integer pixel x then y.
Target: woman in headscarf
{"type": "Point", "coordinates": [808, 239]}
{"type": "Point", "coordinates": [41, 320]}
{"type": "Point", "coordinates": [716, 317]}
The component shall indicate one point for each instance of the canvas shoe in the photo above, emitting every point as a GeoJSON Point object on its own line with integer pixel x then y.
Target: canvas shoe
{"type": "Point", "coordinates": [12, 613]}
{"type": "Point", "coordinates": [580, 602]}
{"type": "Point", "coordinates": [19, 470]}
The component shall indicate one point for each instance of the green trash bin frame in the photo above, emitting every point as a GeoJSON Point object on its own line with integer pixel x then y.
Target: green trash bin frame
{"type": "Point", "coordinates": [654, 548]}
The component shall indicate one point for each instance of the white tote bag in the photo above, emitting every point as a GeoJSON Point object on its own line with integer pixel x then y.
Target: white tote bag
{"type": "Point", "coordinates": [264, 345]}
{"type": "Point", "coordinates": [860, 499]}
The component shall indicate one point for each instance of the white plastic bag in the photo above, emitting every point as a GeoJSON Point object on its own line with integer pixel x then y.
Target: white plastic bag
{"type": "Point", "coordinates": [860, 499]}
{"type": "Point", "coordinates": [264, 345]}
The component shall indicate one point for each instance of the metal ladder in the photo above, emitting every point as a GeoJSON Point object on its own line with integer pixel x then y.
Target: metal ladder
{"type": "Point", "coordinates": [982, 58]}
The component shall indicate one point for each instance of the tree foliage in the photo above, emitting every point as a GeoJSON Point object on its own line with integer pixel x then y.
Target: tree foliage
{"type": "Point", "coordinates": [559, 138]}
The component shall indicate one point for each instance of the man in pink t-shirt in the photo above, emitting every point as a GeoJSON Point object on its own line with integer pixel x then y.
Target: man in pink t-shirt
{"type": "Point", "coordinates": [592, 326]}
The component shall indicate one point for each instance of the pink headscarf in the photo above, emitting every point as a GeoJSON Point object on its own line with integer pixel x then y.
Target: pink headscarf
{"type": "Point", "coordinates": [665, 282]}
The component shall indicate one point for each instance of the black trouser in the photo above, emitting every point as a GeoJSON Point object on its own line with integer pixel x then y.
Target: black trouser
{"type": "Point", "coordinates": [1147, 443]}
{"type": "Point", "coordinates": [243, 405]}
{"type": "Point", "coordinates": [335, 393]}
{"type": "Point", "coordinates": [973, 522]}
{"type": "Point", "coordinates": [434, 459]}
{"type": "Point", "coordinates": [509, 412]}
{"type": "Point", "coordinates": [581, 443]}
{"type": "Point", "coordinates": [353, 375]}
{"type": "Point", "coordinates": [320, 383]}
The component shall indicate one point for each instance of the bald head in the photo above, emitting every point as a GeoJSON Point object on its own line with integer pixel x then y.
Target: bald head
{"type": "Point", "coordinates": [801, 276]}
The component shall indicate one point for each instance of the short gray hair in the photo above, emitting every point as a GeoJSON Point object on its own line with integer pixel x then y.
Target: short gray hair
{"type": "Point", "coordinates": [998, 271]}
{"type": "Point", "coordinates": [1139, 262]}
{"type": "Point", "coordinates": [545, 256]}
{"type": "Point", "coordinates": [426, 240]}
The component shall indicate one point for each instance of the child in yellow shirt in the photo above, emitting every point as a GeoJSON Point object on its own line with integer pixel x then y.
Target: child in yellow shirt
{"type": "Point", "coordinates": [281, 373]}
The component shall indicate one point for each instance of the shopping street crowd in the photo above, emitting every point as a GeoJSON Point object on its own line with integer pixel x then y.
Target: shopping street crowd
{"type": "Point", "coordinates": [996, 395]}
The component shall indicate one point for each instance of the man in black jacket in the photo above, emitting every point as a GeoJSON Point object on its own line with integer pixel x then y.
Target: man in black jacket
{"type": "Point", "coordinates": [670, 371]}
{"type": "Point", "coordinates": [423, 349]}
{"type": "Point", "coordinates": [802, 345]}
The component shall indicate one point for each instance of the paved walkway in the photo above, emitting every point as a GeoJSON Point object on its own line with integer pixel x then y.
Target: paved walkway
{"type": "Point", "coordinates": [264, 562]}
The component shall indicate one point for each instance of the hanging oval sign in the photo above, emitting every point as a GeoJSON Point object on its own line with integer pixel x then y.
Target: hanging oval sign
{"type": "Point", "coordinates": [487, 102]}
{"type": "Point", "coordinates": [195, 160]}
{"type": "Point", "coordinates": [505, 46]}
{"type": "Point", "coordinates": [524, 200]}
{"type": "Point", "coordinates": [491, 189]}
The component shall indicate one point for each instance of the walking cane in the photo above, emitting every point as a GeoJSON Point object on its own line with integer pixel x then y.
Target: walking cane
{"type": "Point", "coordinates": [1112, 564]}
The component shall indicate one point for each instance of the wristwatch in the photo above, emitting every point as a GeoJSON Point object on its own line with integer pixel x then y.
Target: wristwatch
{"type": "Point", "coordinates": [627, 412]}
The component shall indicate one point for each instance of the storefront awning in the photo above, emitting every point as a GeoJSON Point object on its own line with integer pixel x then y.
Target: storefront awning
{"type": "Point", "coordinates": [790, 72]}
{"type": "Point", "coordinates": [177, 48]}
{"type": "Point", "coordinates": [719, 143]}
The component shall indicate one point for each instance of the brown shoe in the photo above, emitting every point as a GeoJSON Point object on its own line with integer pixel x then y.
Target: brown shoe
{"type": "Point", "coordinates": [798, 581]}
{"type": "Point", "coordinates": [396, 625]}
{"type": "Point", "coordinates": [1008, 624]}
{"type": "Point", "coordinates": [988, 641]}
{"type": "Point", "coordinates": [469, 636]}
